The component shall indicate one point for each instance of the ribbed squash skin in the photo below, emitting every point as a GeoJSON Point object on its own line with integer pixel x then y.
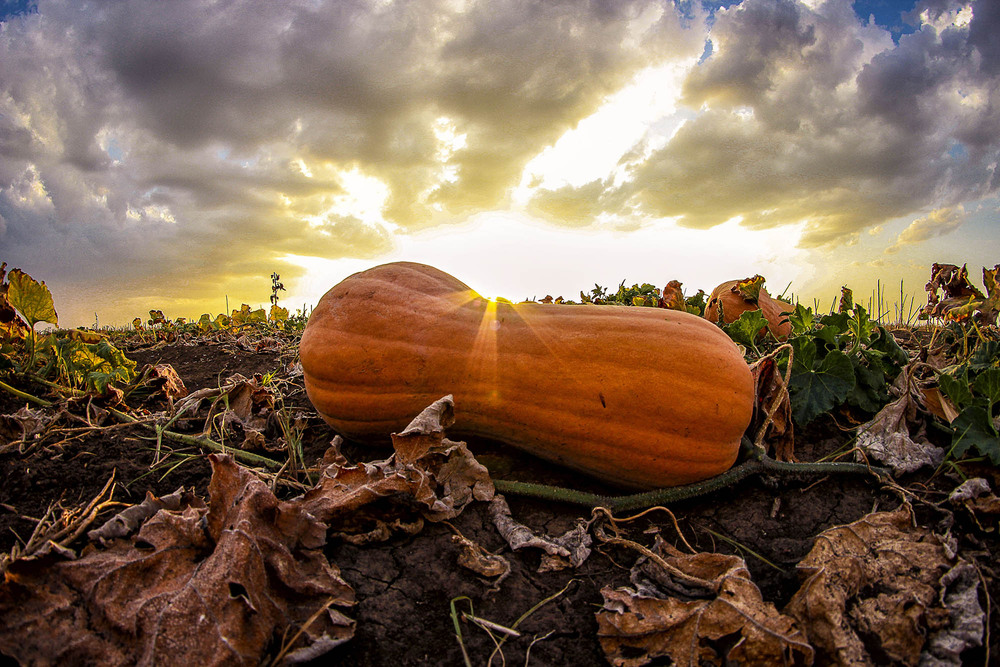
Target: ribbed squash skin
{"type": "Point", "coordinates": [733, 305]}
{"type": "Point", "coordinates": [642, 397]}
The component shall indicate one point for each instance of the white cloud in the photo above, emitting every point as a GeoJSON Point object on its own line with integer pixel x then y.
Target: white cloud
{"type": "Point", "coordinates": [936, 223]}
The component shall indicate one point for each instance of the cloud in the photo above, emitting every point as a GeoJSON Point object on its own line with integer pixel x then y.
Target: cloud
{"type": "Point", "coordinates": [936, 223]}
{"type": "Point", "coordinates": [195, 141]}
{"type": "Point", "coordinates": [808, 115]}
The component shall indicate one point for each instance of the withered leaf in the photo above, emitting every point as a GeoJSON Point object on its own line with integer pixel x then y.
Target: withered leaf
{"type": "Point", "coordinates": [473, 556]}
{"type": "Point", "coordinates": [635, 629]}
{"type": "Point", "coordinates": [130, 519]}
{"type": "Point", "coordinates": [772, 409]}
{"type": "Point", "coordinates": [441, 476]}
{"type": "Point", "coordinates": [570, 548]}
{"type": "Point", "coordinates": [199, 586]}
{"type": "Point", "coordinates": [887, 436]}
{"type": "Point", "coordinates": [872, 585]}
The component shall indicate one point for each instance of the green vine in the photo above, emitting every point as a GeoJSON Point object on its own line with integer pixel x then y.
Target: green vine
{"type": "Point", "coordinates": [756, 464]}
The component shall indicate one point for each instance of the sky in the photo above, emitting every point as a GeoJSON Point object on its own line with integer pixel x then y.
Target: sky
{"type": "Point", "coordinates": [172, 155]}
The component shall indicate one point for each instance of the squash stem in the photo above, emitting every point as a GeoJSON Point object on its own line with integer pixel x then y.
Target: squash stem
{"type": "Point", "coordinates": [675, 494]}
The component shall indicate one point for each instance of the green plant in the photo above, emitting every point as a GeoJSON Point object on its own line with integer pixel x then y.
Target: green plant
{"type": "Point", "coordinates": [76, 359]}
{"type": "Point", "coordinates": [843, 358]}
{"type": "Point", "coordinates": [973, 387]}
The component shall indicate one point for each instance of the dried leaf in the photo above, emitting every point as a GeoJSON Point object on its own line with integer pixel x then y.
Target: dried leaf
{"type": "Point", "coordinates": [475, 557]}
{"type": "Point", "coordinates": [129, 520]}
{"type": "Point", "coordinates": [961, 297]}
{"type": "Point", "coordinates": [27, 423]}
{"type": "Point", "coordinates": [636, 628]}
{"type": "Point", "coordinates": [772, 398]}
{"type": "Point", "coordinates": [215, 585]}
{"type": "Point", "coordinates": [162, 378]}
{"type": "Point", "coordinates": [439, 475]}
{"type": "Point", "coordinates": [872, 585]}
{"type": "Point", "coordinates": [960, 596]}
{"type": "Point", "coordinates": [573, 545]}
{"type": "Point", "coordinates": [975, 495]}
{"type": "Point", "coordinates": [673, 297]}
{"type": "Point", "coordinates": [887, 436]}
{"type": "Point", "coordinates": [938, 404]}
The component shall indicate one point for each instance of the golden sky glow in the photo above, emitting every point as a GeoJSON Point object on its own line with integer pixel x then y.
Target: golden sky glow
{"type": "Point", "coordinates": [171, 155]}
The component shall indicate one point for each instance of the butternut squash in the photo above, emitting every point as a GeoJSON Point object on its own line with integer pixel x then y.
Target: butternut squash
{"type": "Point", "coordinates": [641, 397]}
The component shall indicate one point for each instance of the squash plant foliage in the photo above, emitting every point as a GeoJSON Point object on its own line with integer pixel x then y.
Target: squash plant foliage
{"type": "Point", "coordinates": [77, 358]}
{"type": "Point", "coordinates": [973, 387]}
{"type": "Point", "coordinates": [839, 359]}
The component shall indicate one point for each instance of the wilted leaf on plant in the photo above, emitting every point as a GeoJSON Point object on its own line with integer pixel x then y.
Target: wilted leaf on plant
{"type": "Point", "coordinates": [570, 548]}
{"type": "Point", "coordinates": [732, 626]}
{"type": "Point", "coordinates": [278, 314]}
{"type": "Point", "coordinates": [31, 298]}
{"type": "Point", "coordinates": [673, 297]}
{"type": "Point", "coordinates": [11, 324]}
{"type": "Point", "coordinates": [961, 297]}
{"type": "Point", "coordinates": [887, 436]}
{"type": "Point", "coordinates": [872, 591]}
{"type": "Point", "coordinates": [846, 300]}
{"type": "Point", "coordinates": [196, 586]}
{"type": "Point", "coordinates": [749, 288]}
{"type": "Point", "coordinates": [772, 406]}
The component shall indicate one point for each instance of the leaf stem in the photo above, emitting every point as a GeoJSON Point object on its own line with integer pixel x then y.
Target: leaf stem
{"type": "Point", "coordinates": [202, 443]}
{"type": "Point", "coordinates": [22, 395]}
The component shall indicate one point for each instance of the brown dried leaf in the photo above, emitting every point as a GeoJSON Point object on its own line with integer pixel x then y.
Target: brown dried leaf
{"type": "Point", "coordinates": [938, 404]}
{"type": "Point", "coordinates": [440, 475]}
{"type": "Point", "coordinates": [197, 586]}
{"type": "Point", "coordinates": [476, 558]}
{"type": "Point", "coordinates": [27, 423]}
{"type": "Point", "coordinates": [635, 628]}
{"type": "Point", "coordinates": [129, 520]}
{"type": "Point", "coordinates": [975, 495]}
{"type": "Point", "coordinates": [959, 293]}
{"type": "Point", "coordinates": [772, 398]}
{"type": "Point", "coordinates": [872, 585]}
{"type": "Point", "coordinates": [673, 297]}
{"type": "Point", "coordinates": [887, 436]}
{"type": "Point", "coordinates": [162, 378]}
{"type": "Point", "coordinates": [570, 548]}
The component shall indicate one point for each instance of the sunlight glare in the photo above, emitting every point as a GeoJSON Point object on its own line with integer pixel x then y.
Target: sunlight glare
{"type": "Point", "coordinates": [593, 149]}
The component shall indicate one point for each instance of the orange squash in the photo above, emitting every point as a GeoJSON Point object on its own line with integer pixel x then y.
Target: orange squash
{"type": "Point", "coordinates": [641, 397]}
{"type": "Point", "coordinates": [728, 298]}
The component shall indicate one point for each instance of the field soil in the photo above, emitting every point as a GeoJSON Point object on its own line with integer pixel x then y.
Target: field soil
{"type": "Point", "coordinates": [411, 586]}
